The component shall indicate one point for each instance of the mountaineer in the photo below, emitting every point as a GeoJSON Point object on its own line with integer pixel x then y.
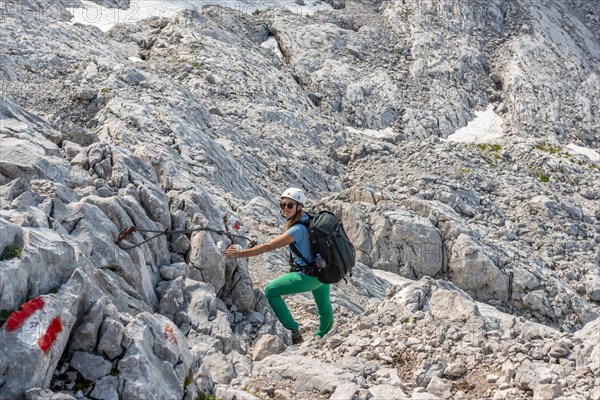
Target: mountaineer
{"type": "Point", "coordinates": [298, 280]}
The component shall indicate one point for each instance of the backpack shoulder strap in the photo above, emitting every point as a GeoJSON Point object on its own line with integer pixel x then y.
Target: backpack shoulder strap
{"type": "Point", "coordinates": [305, 223]}
{"type": "Point", "coordinates": [293, 246]}
{"type": "Point", "coordinates": [297, 252]}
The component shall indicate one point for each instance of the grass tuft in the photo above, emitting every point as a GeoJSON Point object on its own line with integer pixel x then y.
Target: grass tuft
{"type": "Point", "coordinates": [10, 251]}
{"type": "Point", "coordinates": [548, 147]}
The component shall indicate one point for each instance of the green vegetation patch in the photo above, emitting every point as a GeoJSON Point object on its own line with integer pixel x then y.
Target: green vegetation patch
{"type": "Point", "coordinates": [4, 314]}
{"type": "Point", "coordinates": [202, 396]}
{"type": "Point", "coordinates": [10, 251]}
{"type": "Point", "coordinates": [548, 147]}
{"type": "Point", "coordinates": [196, 46]}
{"type": "Point", "coordinates": [81, 383]}
{"type": "Point", "coordinates": [491, 153]}
{"type": "Point", "coordinates": [489, 161]}
{"type": "Point", "coordinates": [186, 382]}
{"type": "Point", "coordinates": [114, 371]}
{"type": "Point", "coordinates": [489, 147]}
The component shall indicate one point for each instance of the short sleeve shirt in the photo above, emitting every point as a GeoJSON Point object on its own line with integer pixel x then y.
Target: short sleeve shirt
{"type": "Point", "coordinates": [300, 234]}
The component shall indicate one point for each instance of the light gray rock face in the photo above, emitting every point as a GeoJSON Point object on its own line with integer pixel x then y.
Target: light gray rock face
{"type": "Point", "coordinates": [227, 277]}
{"type": "Point", "coordinates": [208, 263]}
{"type": "Point", "coordinates": [337, 66]}
{"type": "Point", "coordinates": [41, 394]}
{"type": "Point", "coordinates": [489, 260]}
{"type": "Point", "coordinates": [440, 388]}
{"type": "Point", "coordinates": [34, 338]}
{"type": "Point", "coordinates": [204, 118]}
{"type": "Point", "coordinates": [110, 338]}
{"type": "Point", "coordinates": [156, 360]}
{"type": "Point", "coordinates": [106, 388]}
{"type": "Point", "coordinates": [172, 299]}
{"type": "Point", "coordinates": [267, 345]}
{"type": "Point", "coordinates": [473, 270]}
{"type": "Point", "coordinates": [451, 305]}
{"type": "Point", "coordinates": [226, 393]}
{"type": "Point", "coordinates": [589, 351]}
{"type": "Point", "coordinates": [42, 245]}
{"type": "Point", "coordinates": [321, 379]}
{"type": "Point", "coordinates": [345, 391]}
{"type": "Point", "coordinates": [390, 239]}
{"type": "Point", "coordinates": [91, 367]}
{"type": "Point", "coordinates": [124, 4]}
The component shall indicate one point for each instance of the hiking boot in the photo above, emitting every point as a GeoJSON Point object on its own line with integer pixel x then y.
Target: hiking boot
{"type": "Point", "coordinates": [296, 336]}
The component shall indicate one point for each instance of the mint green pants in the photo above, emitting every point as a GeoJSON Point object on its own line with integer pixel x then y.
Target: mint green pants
{"type": "Point", "coordinates": [292, 283]}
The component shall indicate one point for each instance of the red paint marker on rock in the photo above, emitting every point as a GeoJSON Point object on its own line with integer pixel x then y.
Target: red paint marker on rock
{"type": "Point", "coordinates": [18, 318]}
{"type": "Point", "coordinates": [49, 337]}
{"type": "Point", "coordinates": [30, 320]}
{"type": "Point", "coordinates": [169, 334]}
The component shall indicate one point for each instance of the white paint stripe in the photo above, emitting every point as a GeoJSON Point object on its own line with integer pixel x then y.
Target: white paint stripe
{"type": "Point", "coordinates": [35, 327]}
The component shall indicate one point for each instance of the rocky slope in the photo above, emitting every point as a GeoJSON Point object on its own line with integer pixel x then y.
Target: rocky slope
{"type": "Point", "coordinates": [479, 268]}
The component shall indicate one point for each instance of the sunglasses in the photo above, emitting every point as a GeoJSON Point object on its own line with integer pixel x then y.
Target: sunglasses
{"type": "Point", "coordinates": [288, 205]}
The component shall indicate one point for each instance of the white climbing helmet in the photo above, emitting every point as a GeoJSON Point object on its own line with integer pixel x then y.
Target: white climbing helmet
{"type": "Point", "coordinates": [295, 194]}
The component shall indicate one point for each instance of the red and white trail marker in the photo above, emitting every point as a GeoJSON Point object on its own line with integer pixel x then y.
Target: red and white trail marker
{"type": "Point", "coordinates": [33, 325]}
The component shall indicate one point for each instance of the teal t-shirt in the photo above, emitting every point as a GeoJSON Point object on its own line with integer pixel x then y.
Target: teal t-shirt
{"type": "Point", "coordinates": [300, 234]}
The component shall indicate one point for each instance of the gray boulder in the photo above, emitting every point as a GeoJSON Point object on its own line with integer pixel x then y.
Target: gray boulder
{"type": "Point", "coordinates": [90, 366]}
{"type": "Point", "coordinates": [110, 338]}
{"type": "Point", "coordinates": [106, 389]}
{"type": "Point", "coordinates": [267, 345]}
{"type": "Point", "coordinates": [395, 241]}
{"type": "Point", "coordinates": [33, 339]}
{"type": "Point", "coordinates": [156, 361]}
{"type": "Point", "coordinates": [473, 271]}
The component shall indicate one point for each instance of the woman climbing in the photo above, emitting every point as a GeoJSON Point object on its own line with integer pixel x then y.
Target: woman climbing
{"type": "Point", "coordinates": [297, 280]}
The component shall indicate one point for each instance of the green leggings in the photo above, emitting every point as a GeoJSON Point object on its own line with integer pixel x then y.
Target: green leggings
{"type": "Point", "coordinates": [292, 283]}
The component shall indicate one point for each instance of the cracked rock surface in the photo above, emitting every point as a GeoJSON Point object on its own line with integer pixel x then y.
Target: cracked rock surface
{"type": "Point", "coordinates": [478, 264]}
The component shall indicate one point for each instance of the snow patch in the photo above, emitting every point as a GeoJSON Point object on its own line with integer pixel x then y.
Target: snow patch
{"type": "Point", "coordinates": [271, 44]}
{"type": "Point", "coordinates": [485, 128]}
{"type": "Point", "coordinates": [590, 153]}
{"type": "Point", "coordinates": [105, 18]}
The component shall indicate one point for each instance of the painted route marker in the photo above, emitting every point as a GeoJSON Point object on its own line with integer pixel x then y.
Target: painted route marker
{"type": "Point", "coordinates": [18, 318]}
{"type": "Point", "coordinates": [169, 335]}
{"type": "Point", "coordinates": [33, 325]}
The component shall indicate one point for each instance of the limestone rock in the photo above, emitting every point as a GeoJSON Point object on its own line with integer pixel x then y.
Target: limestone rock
{"type": "Point", "coordinates": [110, 338]}
{"type": "Point", "coordinates": [266, 346]}
{"type": "Point", "coordinates": [472, 256]}
{"type": "Point", "coordinates": [474, 271]}
{"type": "Point", "coordinates": [106, 388]}
{"type": "Point", "coordinates": [156, 360]}
{"type": "Point", "coordinates": [91, 367]}
{"type": "Point", "coordinates": [34, 338]}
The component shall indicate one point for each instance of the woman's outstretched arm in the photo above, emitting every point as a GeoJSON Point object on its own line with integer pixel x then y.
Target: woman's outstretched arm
{"type": "Point", "coordinates": [278, 242]}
